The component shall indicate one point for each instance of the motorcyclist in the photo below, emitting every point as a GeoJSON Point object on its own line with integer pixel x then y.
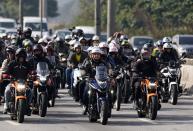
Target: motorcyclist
{"type": "Point", "coordinates": [28, 45]}
{"type": "Point", "coordinates": [61, 47]}
{"type": "Point", "coordinates": [158, 50]}
{"type": "Point", "coordinates": [36, 39]}
{"type": "Point", "coordinates": [2, 52]}
{"type": "Point", "coordinates": [73, 60]}
{"type": "Point", "coordinates": [83, 43]}
{"type": "Point", "coordinates": [126, 51]}
{"type": "Point", "coordinates": [105, 50]}
{"type": "Point", "coordinates": [26, 35]}
{"type": "Point", "coordinates": [114, 57]}
{"type": "Point", "coordinates": [10, 52]}
{"type": "Point", "coordinates": [18, 69]}
{"type": "Point", "coordinates": [38, 56]}
{"type": "Point", "coordinates": [95, 40]}
{"type": "Point", "coordinates": [168, 54]}
{"type": "Point", "coordinates": [89, 66]}
{"type": "Point", "coordinates": [144, 67]}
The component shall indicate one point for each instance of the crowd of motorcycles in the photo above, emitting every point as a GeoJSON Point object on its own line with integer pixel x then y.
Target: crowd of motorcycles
{"type": "Point", "coordinates": [104, 92]}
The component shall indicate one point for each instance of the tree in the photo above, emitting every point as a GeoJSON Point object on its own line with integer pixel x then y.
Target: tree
{"type": "Point", "coordinates": [10, 8]}
{"type": "Point", "coordinates": [145, 17]}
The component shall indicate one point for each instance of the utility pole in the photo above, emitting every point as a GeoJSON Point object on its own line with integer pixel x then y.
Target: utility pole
{"type": "Point", "coordinates": [45, 8]}
{"type": "Point", "coordinates": [110, 18]}
{"type": "Point", "coordinates": [41, 16]}
{"type": "Point", "coordinates": [21, 13]}
{"type": "Point", "coordinates": [97, 17]}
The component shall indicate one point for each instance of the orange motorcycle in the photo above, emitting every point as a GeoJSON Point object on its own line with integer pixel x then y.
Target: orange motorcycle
{"type": "Point", "coordinates": [18, 104]}
{"type": "Point", "coordinates": [147, 100]}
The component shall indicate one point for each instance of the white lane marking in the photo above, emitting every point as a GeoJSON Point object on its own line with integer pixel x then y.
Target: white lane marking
{"type": "Point", "coordinates": [13, 123]}
{"type": "Point", "coordinates": [148, 121]}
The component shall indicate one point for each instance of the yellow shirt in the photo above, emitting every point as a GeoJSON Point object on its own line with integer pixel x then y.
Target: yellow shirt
{"type": "Point", "coordinates": [78, 57]}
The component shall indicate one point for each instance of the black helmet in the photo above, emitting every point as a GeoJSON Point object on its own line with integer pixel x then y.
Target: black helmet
{"type": "Point", "coordinates": [38, 47]}
{"type": "Point", "coordinates": [80, 32]}
{"type": "Point", "coordinates": [77, 33]}
{"type": "Point", "coordinates": [21, 52]}
{"type": "Point", "coordinates": [10, 49]}
{"type": "Point", "coordinates": [27, 31]}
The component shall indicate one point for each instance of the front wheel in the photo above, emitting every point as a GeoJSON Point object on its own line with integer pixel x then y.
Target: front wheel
{"type": "Point", "coordinates": [127, 91]}
{"type": "Point", "coordinates": [174, 94]}
{"type": "Point", "coordinates": [43, 101]}
{"type": "Point", "coordinates": [153, 107]}
{"type": "Point", "coordinates": [21, 110]}
{"type": "Point", "coordinates": [53, 97]}
{"type": "Point", "coordinates": [118, 99]}
{"type": "Point", "coordinates": [104, 112]}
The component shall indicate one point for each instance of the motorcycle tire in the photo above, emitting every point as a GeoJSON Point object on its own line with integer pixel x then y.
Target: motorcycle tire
{"type": "Point", "coordinates": [127, 91]}
{"type": "Point", "coordinates": [174, 95]}
{"type": "Point", "coordinates": [53, 97]}
{"type": "Point", "coordinates": [118, 100]}
{"type": "Point", "coordinates": [104, 112]}
{"type": "Point", "coordinates": [153, 107]}
{"type": "Point", "coordinates": [21, 110]}
{"type": "Point", "coordinates": [43, 103]}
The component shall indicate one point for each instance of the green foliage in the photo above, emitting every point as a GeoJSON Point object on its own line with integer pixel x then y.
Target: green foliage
{"type": "Point", "coordinates": [145, 17]}
{"type": "Point", "coordinates": [10, 8]}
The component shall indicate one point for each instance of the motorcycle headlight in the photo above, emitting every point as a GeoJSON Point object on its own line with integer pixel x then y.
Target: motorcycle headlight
{"type": "Point", "coordinates": [102, 84]}
{"type": "Point", "coordinates": [173, 72]}
{"type": "Point", "coordinates": [152, 86]}
{"type": "Point", "coordinates": [21, 87]}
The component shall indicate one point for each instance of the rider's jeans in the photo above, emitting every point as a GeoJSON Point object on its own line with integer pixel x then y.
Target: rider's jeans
{"type": "Point", "coordinates": [68, 76]}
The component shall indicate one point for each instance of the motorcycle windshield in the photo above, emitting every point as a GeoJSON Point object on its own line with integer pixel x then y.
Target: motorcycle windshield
{"type": "Point", "coordinates": [42, 69]}
{"type": "Point", "coordinates": [101, 73]}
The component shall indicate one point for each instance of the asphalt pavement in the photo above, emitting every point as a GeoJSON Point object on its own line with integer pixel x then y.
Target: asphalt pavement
{"type": "Point", "coordinates": [66, 116]}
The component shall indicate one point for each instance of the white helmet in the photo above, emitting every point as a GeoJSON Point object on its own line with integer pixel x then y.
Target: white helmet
{"type": "Point", "coordinates": [113, 43]}
{"type": "Point", "coordinates": [68, 37]}
{"type": "Point", "coordinates": [167, 46]}
{"type": "Point", "coordinates": [95, 38]}
{"type": "Point", "coordinates": [41, 40]}
{"type": "Point", "coordinates": [96, 50]}
{"type": "Point", "coordinates": [77, 44]}
{"type": "Point", "coordinates": [72, 42]}
{"type": "Point", "coordinates": [89, 49]}
{"type": "Point", "coordinates": [13, 36]}
{"type": "Point", "coordinates": [103, 45]}
{"type": "Point", "coordinates": [113, 49]}
{"type": "Point", "coordinates": [167, 40]}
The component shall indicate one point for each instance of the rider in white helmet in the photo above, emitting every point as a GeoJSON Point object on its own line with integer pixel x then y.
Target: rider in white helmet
{"type": "Point", "coordinates": [95, 40]}
{"type": "Point", "coordinates": [114, 57]}
{"type": "Point", "coordinates": [168, 53]}
{"type": "Point", "coordinates": [166, 40]}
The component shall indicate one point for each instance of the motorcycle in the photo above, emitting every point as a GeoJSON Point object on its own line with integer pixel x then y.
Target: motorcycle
{"type": "Point", "coordinates": [146, 98]}
{"type": "Point", "coordinates": [18, 102]}
{"type": "Point", "coordinates": [169, 82]}
{"type": "Point", "coordinates": [63, 65]}
{"type": "Point", "coordinates": [79, 74]}
{"type": "Point", "coordinates": [98, 107]}
{"type": "Point", "coordinates": [41, 84]}
{"type": "Point", "coordinates": [122, 89]}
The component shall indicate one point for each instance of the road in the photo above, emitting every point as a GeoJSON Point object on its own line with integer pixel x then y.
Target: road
{"type": "Point", "coordinates": [66, 116]}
